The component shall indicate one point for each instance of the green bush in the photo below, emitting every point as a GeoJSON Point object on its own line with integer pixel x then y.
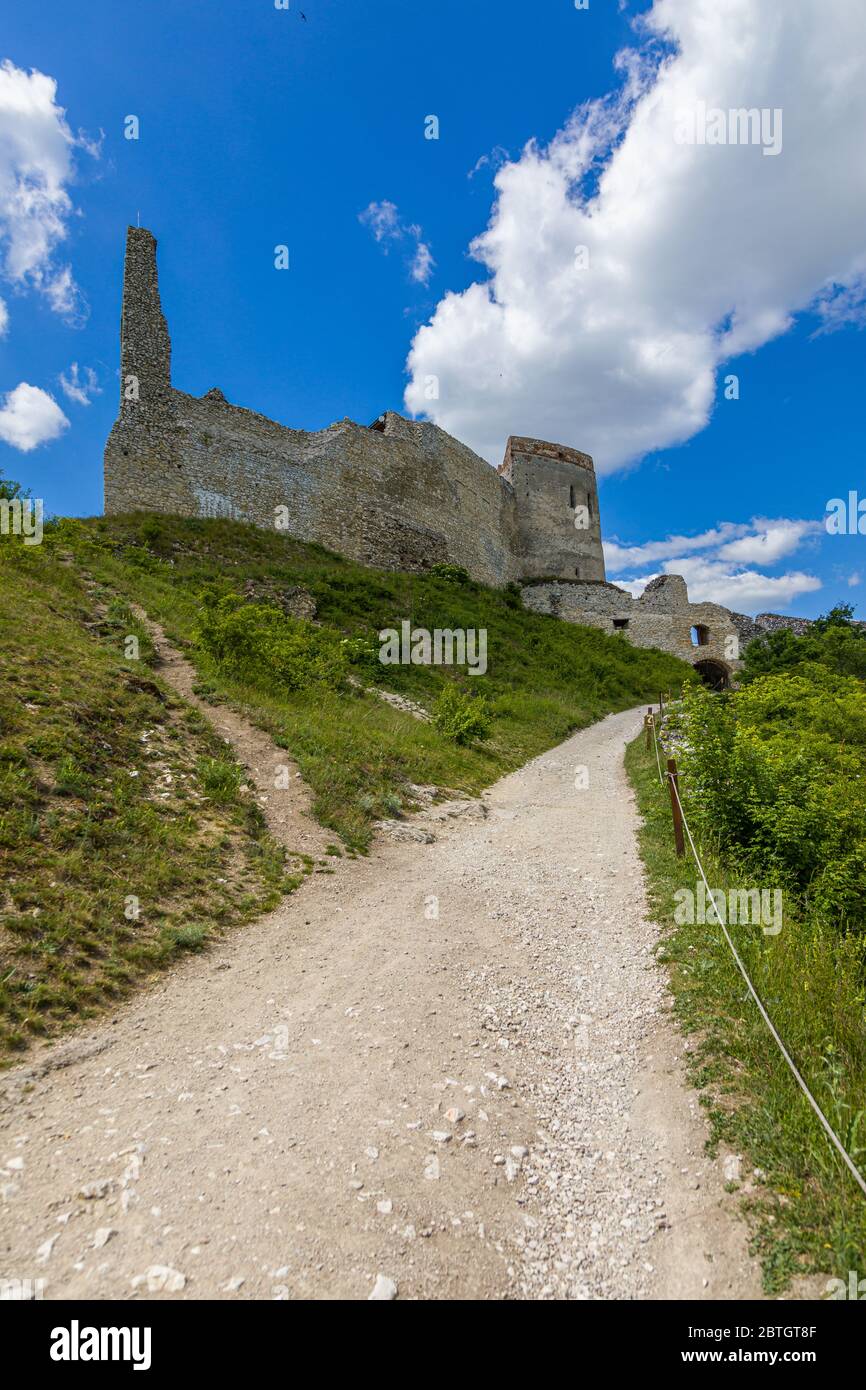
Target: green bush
{"type": "Point", "coordinates": [362, 652]}
{"type": "Point", "coordinates": [151, 531]}
{"type": "Point", "coordinates": [454, 574]}
{"type": "Point", "coordinates": [776, 777]}
{"type": "Point", "coordinates": [833, 641]}
{"type": "Point", "coordinates": [263, 645]}
{"type": "Point", "coordinates": [461, 716]}
{"type": "Point", "coordinates": [9, 490]}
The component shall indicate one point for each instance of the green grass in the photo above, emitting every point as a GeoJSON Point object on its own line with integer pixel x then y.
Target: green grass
{"type": "Point", "coordinates": [124, 840]}
{"type": "Point", "coordinates": [127, 833]}
{"type": "Point", "coordinates": [220, 778]}
{"type": "Point", "coordinates": [808, 1215]}
{"type": "Point", "coordinates": [360, 756]}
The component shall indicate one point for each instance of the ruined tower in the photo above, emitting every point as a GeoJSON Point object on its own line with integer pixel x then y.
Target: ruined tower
{"type": "Point", "coordinates": [556, 497]}
{"type": "Point", "coordinates": [141, 445]}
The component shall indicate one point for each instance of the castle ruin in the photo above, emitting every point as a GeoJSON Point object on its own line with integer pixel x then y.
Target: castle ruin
{"type": "Point", "coordinates": [397, 494]}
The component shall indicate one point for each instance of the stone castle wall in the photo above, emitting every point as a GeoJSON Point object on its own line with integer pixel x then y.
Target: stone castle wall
{"type": "Point", "coordinates": [661, 617]}
{"type": "Point", "coordinates": [376, 496]}
{"type": "Point", "coordinates": [401, 494]}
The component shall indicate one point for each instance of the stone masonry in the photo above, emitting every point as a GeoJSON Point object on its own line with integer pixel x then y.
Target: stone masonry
{"type": "Point", "coordinates": [398, 494]}
{"type": "Point", "coordinates": [705, 634]}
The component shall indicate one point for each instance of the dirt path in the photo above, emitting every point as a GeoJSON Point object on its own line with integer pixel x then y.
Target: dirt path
{"type": "Point", "coordinates": [287, 809]}
{"type": "Point", "coordinates": [448, 1065]}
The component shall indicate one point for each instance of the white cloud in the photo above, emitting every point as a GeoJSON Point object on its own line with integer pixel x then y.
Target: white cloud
{"type": "Point", "coordinates": [619, 557]}
{"type": "Point", "coordinates": [841, 305]}
{"type": "Point", "coordinates": [772, 540]}
{"type": "Point", "coordinates": [696, 252]}
{"type": "Point", "coordinates": [636, 586]}
{"type": "Point", "coordinates": [78, 386]}
{"type": "Point", "coordinates": [759, 541]}
{"type": "Point", "coordinates": [422, 263]}
{"type": "Point", "coordinates": [722, 572]}
{"type": "Point", "coordinates": [497, 156]}
{"type": "Point", "coordinates": [29, 417]}
{"type": "Point", "coordinates": [744, 590]}
{"type": "Point", "coordinates": [36, 166]}
{"type": "Point", "coordinates": [384, 221]}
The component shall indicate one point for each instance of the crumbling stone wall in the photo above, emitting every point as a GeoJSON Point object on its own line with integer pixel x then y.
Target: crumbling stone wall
{"type": "Point", "coordinates": [401, 494]}
{"type": "Point", "coordinates": [662, 617]}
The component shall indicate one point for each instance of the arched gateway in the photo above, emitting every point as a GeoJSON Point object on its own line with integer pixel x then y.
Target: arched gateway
{"type": "Point", "coordinates": [714, 674]}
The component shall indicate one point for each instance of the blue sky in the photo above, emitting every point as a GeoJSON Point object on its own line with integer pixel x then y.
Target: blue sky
{"type": "Point", "coordinates": [258, 127]}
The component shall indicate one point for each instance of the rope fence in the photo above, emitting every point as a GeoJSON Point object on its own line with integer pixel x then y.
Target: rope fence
{"type": "Point", "coordinates": [650, 726]}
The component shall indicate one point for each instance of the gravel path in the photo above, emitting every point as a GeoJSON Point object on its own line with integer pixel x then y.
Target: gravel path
{"type": "Point", "coordinates": [443, 1071]}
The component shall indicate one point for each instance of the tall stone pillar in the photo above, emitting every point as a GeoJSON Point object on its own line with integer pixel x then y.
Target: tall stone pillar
{"type": "Point", "coordinates": [141, 447]}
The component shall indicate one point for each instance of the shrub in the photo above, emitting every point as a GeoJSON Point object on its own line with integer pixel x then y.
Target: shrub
{"type": "Point", "coordinates": [263, 645]}
{"type": "Point", "coordinates": [362, 652]}
{"type": "Point", "coordinates": [9, 490]}
{"type": "Point", "coordinates": [153, 535]}
{"type": "Point", "coordinates": [461, 716]}
{"type": "Point", "coordinates": [454, 574]}
{"type": "Point", "coordinates": [776, 777]}
{"type": "Point", "coordinates": [833, 641]}
{"type": "Point", "coordinates": [513, 595]}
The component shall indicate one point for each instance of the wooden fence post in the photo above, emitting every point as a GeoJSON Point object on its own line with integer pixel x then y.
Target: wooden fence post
{"type": "Point", "coordinates": [661, 702]}
{"type": "Point", "coordinates": [674, 787]}
{"type": "Point", "coordinates": [648, 725]}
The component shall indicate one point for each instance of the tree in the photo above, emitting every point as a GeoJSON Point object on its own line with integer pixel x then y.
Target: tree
{"type": "Point", "coordinates": [840, 616]}
{"type": "Point", "coordinates": [834, 640]}
{"type": "Point", "coordinates": [9, 490]}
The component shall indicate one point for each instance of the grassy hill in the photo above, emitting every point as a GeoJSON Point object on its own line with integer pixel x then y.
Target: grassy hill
{"type": "Point", "coordinates": [126, 831]}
